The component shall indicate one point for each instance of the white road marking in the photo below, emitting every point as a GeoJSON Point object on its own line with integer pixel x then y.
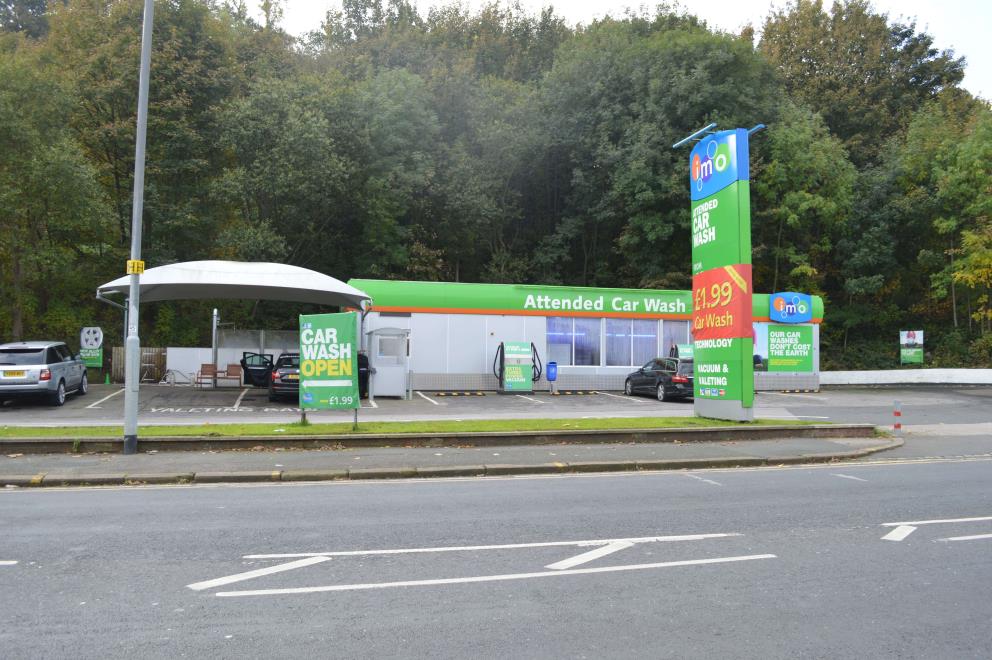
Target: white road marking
{"type": "Point", "coordinates": [586, 557]}
{"type": "Point", "coordinates": [847, 476]}
{"type": "Point", "coordinates": [530, 398]}
{"type": "Point", "coordinates": [624, 397]}
{"type": "Point", "coordinates": [974, 537]}
{"type": "Point", "coordinates": [96, 404]}
{"type": "Point", "coordinates": [489, 578]}
{"type": "Point", "coordinates": [8, 562]}
{"type": "Point", "coordinates": [372, 404]}
{"type": "Point", "coordinates": [899, 533]}
{"type": "Point", "coordinates": [698, 478]}
{"type": "Point", "coordinates": [424, 396]}
{"type": "Point", "coordinates": [237, 404]}
{"type": "Point", "coordinates": [238, 577]}
{"type": "Point", "coordinates": [935, 522]}
{"type": "Point", "coordinates": [510, 546]}
{"type": "Point", "coordinates": [793, 417]}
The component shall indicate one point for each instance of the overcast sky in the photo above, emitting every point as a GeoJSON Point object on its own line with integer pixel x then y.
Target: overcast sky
{"type": "Point", "coordinates": [963, 25]}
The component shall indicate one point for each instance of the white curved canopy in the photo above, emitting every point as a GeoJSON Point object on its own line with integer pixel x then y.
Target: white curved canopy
{"type": "Point", "coordinates": [241, 280]}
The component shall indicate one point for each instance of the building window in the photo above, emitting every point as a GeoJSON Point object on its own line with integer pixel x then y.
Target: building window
{"type": "Point", "coordinates": [618, 342]}
{"type": "Point", "coordinates": [560, 340]}
{"type": "Point", "coordinates": [587, 335]}
{"type": "Point", "coordinates": [644, 340]}
{"type": "Point", "coordinates": [630, 342]}
{"type": "Point", "coordinates": [673, 333]}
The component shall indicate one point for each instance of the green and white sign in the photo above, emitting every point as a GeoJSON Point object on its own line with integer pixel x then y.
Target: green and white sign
{"type": "Point", "coordinates": [685, 351]}
{"type": "Point", "coordinates": [329, 361]}
{"type": "Point", "coordinates": [790, 348]}
{"type": "Point", "coordinates": [910, 347]}
{"type": "Point", "coordinates": [517, 367]}
{"type": "Point", "coordinates": [91, 346]}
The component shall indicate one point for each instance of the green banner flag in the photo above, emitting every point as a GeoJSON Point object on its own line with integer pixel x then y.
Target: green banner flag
{"type": "Point", "coordinates": [329, 361]}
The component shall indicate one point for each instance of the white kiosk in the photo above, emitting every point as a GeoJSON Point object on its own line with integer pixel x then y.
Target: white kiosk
{"type": "Point", "coordinates": [389, 362]}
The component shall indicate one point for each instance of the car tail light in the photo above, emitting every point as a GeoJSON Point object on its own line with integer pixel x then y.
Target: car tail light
{"type": "Point", "coordinates": [45, 375]}
{"type": "Point", "coordinates": [679, 379]}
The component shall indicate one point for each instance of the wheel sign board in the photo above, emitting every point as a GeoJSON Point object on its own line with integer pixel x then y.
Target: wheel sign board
{"type": "Point", "coordinates": [329, 362]}
{"type": "Point", "coordinates": [910, 347]}
{"type": "Point", "coordinates": [721, 276]}
{"type": "Point", "coordinates": [91, 346]}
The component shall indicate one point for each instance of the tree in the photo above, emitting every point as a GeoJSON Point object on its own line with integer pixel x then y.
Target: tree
{"type": "Point", "coordinates": [864, 76]}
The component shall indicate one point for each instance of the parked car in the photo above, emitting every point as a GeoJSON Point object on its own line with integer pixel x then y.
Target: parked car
{"type": "Point", "coordinates": [665, 378]}
{"type": "Point", "coordinates": [40, 369]}
{"type": "Point", "coordinates": [285, 378]}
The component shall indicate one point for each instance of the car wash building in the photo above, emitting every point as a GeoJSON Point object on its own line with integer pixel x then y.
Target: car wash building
{"type": "Point", "coordinates": [454, 332]}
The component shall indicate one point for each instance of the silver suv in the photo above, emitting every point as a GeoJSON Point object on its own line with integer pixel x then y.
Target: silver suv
{"type": "Point", "coordinates": [40, 368]}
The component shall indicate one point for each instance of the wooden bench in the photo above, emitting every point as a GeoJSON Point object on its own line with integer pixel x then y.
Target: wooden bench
{"type": "Point", "coordinates": [205, 376]}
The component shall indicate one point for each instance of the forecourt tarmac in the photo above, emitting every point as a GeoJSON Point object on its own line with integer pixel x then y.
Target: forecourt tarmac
{"type": "Point", "coordinates": [926, 408]}
{"type": "Point", "coordinates": [883, 560]}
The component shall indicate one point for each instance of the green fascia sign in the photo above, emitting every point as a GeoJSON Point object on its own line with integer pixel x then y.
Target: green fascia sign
{"type": "Point", "coordinates": [329, 361]}
{"type": "Point", "coordinates": [790, 348]}
{"type": "Point", "coordinates": [536, 300]}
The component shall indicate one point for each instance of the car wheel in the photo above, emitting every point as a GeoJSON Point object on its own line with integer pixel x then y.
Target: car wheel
{"type": "Point", "coordinates": [84, 385]}
{"type": "Point", "coordinates": [628, 388]}
{"type": "Point", "coordinates": [57, 398]}
{"type": "Point", "coordinates": [662, 394]}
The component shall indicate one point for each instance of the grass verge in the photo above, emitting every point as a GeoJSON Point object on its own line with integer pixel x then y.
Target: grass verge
{"type": "Point", "coordinates": [345, 428]}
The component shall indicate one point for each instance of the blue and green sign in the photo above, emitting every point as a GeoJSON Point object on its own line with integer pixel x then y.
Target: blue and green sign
{"type": "Point", "coordinates": [790, 307]}
{"type": "Point", "coordinates": [721, 276]}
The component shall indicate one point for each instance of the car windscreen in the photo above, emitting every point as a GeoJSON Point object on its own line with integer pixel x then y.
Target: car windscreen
{"type": "Point", "coordinates": [685, 368]}
{"type": "Point", "coordinates": [18, 356]}
{"type": "Point", "coordinates": [288, 361]}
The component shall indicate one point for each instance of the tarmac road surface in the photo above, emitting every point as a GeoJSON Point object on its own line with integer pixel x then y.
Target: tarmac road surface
{"type": "Point", "coordinates": [882, 560]}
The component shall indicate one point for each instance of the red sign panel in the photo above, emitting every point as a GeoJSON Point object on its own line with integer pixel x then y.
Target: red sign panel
{"type": "Point", "coordinates": [721, 303]}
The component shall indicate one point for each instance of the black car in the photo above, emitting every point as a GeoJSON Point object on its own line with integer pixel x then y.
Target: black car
{"type": "Point", "coordinates": [284, 381]}
{"type": "Point", "coordinates": [665, 378]}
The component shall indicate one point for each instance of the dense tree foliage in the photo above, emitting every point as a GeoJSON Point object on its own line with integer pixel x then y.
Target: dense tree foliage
{"type": "Point", "coordinates": [492, 145]}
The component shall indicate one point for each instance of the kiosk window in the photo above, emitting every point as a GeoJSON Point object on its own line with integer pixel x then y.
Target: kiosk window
{"type": "Point", "coordinates": [673, 334]}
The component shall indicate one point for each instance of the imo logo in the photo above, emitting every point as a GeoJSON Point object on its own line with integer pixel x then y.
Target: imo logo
{"type": "Point", "coordinates": [716, 159]}
{"type": "Point", "coordinates": [791, 307]}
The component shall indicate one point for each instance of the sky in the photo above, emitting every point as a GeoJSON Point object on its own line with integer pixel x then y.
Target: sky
{"type": "Point", "coordinates": [962, 25]}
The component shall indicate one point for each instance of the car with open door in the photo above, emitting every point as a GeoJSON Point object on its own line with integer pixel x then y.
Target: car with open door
{"type": "Point", "coordinates": [284, 381]}
{"type": "Point", "coordinates": [257, 368]}
{"type": "Point", "coordinates": [665, 378]}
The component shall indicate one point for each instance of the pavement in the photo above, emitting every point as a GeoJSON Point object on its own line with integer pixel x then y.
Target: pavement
{"type": "Point", "coordinates": [765, 563]}
{"type": "Point", "coordinates": [264, 464]}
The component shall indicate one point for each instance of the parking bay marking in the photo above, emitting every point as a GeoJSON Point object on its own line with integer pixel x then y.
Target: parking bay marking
{"type": "Point", "coordinates": [563, 567]}
{"type": "Point", "coordinates": [530, 398]}
{"type": "Point", "coordinates": [237, 404]}
{"type": "Point", "coordinates": [904, 529]}
{"type": "Point", "coordinates": [490, 578]}
{"type": "Point", "coordinates": [8, 562]}
{"type": "Point", "coordinates": [424, 396]}
{"type": "Point", "coordinates": [96, 404]}
{"type": "Point", "coordinates": [973, 537]}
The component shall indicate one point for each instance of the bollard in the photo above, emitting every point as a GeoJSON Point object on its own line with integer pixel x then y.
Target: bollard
{"type": "Point", "coordinates": [897, 418]}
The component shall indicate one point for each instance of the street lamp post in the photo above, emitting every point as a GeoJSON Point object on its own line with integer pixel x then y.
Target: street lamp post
{"type": "Point", "coordinates": [132, 352]}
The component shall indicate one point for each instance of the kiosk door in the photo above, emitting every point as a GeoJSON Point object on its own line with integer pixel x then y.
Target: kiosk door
{"type": "Point", "coordinates": [390, 361]}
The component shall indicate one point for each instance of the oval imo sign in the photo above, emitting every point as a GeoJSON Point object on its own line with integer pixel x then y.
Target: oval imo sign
{"type": "Point", "coordinates": [790, 307]}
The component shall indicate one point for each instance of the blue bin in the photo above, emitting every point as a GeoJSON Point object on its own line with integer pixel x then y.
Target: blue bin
{"type": "Point", "coordinates": [552, 372]}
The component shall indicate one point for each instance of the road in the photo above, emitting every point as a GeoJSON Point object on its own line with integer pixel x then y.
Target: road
{"type": "Point", "coordinates": [755, 563]}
